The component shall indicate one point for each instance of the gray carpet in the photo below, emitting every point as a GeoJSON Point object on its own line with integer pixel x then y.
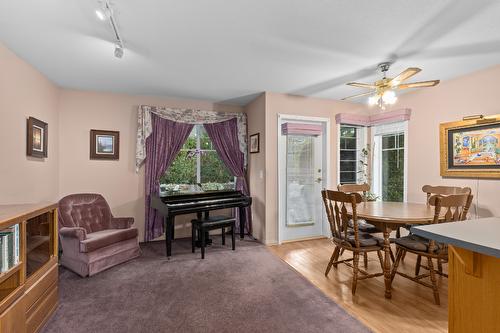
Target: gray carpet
{"type": "Point", "coordinates": [249, 290]}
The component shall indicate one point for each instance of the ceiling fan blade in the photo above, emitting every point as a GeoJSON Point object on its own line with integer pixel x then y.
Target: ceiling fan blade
{"type": "Point", "coordinates": [361, 85]}
{"type": "Point", "coordinates": [404, 75]}
{"type": "Point", "coordinates": [358, 95]}
{"type": "Point", "coordinates": [422, 84]}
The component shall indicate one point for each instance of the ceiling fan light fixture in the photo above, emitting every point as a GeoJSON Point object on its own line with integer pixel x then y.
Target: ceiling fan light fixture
{"type": "Point", "coordinates": [389, 97]}
{"type": "Point", "coordinates": [373, 100]}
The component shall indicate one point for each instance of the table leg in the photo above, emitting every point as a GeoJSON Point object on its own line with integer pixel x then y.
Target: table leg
{"type": "Point", "coordinates": [387, 261]}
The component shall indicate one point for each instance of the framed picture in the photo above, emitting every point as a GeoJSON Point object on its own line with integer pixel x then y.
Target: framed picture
{"type": "Point", "coordinates": [254, 143]}
{"type": "Point", "coordinates": [37, 138]}
{"type": "Point", "coordinates": [104, 145]}
{"type": "Point", "coordinates": [471, 148]}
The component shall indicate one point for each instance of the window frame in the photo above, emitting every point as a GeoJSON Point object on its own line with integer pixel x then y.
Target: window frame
{"type": "Point", "coordinates": [377, 132]}
{"type": "Point", "coordinates": [197, 128]}
{"type": "Point", "coordinates": [361, 142]}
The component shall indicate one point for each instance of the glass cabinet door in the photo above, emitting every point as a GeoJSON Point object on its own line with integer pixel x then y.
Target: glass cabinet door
{"type": "Point", "coordinates": [10, 267]}
{"type": "Point", "coordinates": [39, 242]}
{"type": "Point", "coordinates": [9, 247]}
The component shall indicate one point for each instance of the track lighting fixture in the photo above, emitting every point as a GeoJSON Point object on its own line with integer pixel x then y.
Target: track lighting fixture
{"type": "Point", "coordinates": [118, 51]}
{"type": "Point", "coordinates": [106, 13]}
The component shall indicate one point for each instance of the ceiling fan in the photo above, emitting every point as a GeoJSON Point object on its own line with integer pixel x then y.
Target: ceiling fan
{"type": "Point", "coordinates": [383, 91]}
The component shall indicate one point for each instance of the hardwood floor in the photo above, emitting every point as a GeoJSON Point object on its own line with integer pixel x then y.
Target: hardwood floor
{"type": "Point", "coordinates": [411, 308]}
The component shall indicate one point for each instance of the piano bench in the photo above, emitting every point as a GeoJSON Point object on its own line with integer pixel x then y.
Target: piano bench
{"type": "Point", "coordinates": [203, 226]}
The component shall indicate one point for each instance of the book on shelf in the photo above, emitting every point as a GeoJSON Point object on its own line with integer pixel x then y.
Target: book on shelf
{"type": "Point", "coordinates": [8, 244]}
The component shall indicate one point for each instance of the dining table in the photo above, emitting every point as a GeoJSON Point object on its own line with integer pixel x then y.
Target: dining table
{"type": "Point", "coordinates": [389, 216]}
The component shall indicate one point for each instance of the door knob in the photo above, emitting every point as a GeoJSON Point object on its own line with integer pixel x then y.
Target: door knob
{"type": "Point", "coordinates": [318, 180]}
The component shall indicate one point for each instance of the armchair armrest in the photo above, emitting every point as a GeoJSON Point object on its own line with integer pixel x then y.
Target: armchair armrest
{"type": "Point", "coordinates": [76, 232]}
{"type": "Point", "coordinates": [121, 222]}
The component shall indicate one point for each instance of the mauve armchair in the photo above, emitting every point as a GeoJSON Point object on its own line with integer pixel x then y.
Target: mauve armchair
{"type": "Point", "coordinates": [92, 239]}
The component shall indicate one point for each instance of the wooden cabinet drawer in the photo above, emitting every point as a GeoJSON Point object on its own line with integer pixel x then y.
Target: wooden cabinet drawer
{"type": "Point", "coordinates": [40, 287]}
{"type": "Point", "coordinates": [41, 310]}
{"type": "Point", "coordinates": [12, 319]}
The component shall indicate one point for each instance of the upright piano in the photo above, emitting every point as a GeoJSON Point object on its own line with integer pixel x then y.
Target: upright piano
{"type": "Point", "coordinates": [200, 203]}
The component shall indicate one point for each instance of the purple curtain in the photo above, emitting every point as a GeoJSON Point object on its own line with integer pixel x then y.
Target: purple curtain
{"type": "Point", "coordinates": [224, 136]}
{"type": "Point", "coordinates": [162, 146]}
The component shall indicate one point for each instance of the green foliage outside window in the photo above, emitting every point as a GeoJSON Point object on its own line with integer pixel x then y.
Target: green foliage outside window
{"type": "Point", "coordinates": [213, 173]}
{"type": "Point", "coordinates": [393, 167]}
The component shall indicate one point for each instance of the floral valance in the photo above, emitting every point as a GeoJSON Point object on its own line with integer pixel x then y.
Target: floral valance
{"type": "Point", "coordinates": [190, 116]}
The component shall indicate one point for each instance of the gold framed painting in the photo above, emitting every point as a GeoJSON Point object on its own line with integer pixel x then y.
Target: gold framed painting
{"type": "Point", "coordinates": [471, 148]}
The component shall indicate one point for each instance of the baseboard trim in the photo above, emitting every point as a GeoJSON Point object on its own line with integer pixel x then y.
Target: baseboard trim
{"type": "Point", "coordinates": [303, 239]}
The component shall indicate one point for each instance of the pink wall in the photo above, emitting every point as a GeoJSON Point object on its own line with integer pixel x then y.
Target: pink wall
{"type": "Point", "coordinates": [476, 93]}
{"type": "Point", "coordinates": [256, 112]}
{"type": "Point", "coordinates": [24, 92]}
{"type": "Point", "coordinates": [117, 181]}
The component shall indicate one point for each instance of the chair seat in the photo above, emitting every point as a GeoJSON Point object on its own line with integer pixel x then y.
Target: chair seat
{"type": "Point", "coordinates": [364, 226]}
{"type": "Point", "coordinates": [416, 243]}
{"type": "Point", "coordinates": [103, 238]}
{"type": "Point", "coordinates": [365, 240]}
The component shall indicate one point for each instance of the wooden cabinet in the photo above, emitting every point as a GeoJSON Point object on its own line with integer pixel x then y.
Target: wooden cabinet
{"type": "Point", "coordinates": [473, 292]}
{"type": "Point", "coordinates": [28, 266]}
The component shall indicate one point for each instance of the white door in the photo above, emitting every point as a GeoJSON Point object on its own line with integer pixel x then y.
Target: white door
{"type": "Point", "coordinates": [302, 171]}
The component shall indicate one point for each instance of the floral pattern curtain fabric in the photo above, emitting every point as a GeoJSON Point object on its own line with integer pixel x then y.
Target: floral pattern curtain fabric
{"type": "Point", "coordinates": [188, 116]}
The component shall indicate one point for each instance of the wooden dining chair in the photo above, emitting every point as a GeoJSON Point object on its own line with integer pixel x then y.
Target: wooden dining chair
{"type": "Point", "coordinates": [364, 226]}
{"type": "Point", "coordinates": [349, 238]}
{"type": "Point", "coordinates": [431, 190]}
{"type": "Point", "coordinates": [457, 206]}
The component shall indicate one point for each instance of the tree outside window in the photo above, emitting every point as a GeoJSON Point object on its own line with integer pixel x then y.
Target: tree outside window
{"type": "Point", "coordinates": [197, 164]}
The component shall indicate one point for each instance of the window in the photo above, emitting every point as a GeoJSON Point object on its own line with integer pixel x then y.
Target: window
{"type": "Point", "coordinates": [393, 167]}
{"type": "Point", "coordinates": [350, 144]}
{"type": "Point", "coordinates": [197, 164]}
{"type": "Point", "coordinates": [389, 161]}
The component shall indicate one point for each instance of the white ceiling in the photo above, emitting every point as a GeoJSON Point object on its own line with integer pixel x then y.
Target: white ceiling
{"type": "Point", "coordinates": [229, 50]}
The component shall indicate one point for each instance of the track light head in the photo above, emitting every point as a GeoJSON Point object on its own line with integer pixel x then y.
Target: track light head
{"type": "Point", "coordinates": [118, 51]}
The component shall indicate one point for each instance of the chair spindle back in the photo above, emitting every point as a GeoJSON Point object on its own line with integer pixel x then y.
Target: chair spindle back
{"type": "Point", "coordinates": [444, 190]}
{"type": "Point", "coordinates": [336, 205]}
{"type": "Point", "coordinates": [355, 188]}
{"type": "Point", "coordinates": [456, 205]}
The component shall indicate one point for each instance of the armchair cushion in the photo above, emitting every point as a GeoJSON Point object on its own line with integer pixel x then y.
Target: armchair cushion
{"type": "Point", "coordinates": [73, 232]}
{"type": "Point", "coordinates": [103, 238]}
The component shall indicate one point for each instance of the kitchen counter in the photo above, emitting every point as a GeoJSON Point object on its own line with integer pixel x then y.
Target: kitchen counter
{"type": "Point", "coordinates": [480, 236]}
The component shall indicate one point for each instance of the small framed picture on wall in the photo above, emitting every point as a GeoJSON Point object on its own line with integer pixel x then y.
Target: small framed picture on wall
{"type": "Point", "coordinates": [255, 143]}
{"type": "Point", "coordinates": [104, 145]}
{"type": "Point", "coordinates": [37, 138]}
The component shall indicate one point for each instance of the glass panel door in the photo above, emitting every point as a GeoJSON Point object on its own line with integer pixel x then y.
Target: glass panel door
{"type": "Point", "coordinates": [302, 171]}
{"type": "Point", "coordinates": [301, 179]}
